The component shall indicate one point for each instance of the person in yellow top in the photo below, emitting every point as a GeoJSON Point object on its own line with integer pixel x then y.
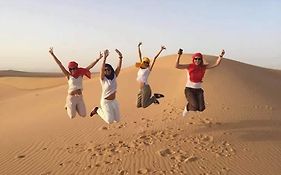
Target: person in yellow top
{"type": "Point", "coordinates": [144, 98]}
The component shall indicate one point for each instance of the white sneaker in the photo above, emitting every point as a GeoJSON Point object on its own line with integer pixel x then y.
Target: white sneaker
{"type": "Point", "coordinates": [185, 112]}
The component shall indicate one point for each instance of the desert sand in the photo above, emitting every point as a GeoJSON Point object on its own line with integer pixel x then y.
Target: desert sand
{"type": "Point", "coordinates": [238, 133]}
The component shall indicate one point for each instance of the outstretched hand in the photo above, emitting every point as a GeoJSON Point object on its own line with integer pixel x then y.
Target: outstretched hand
{"type": "Point", "coordinates": [140, 43]}
{"type": "Point", "coordinates": [119, 53]}
{"type": "Point", "coordinates": [100, 56]}
{"type": "Point", "coordinates": [180, 51]}
{"type": "Point", "coordinates": [222, 53]}
{"type": "Point", "coordinates": [106, 53]}
{"type": "Point", "coordinates": [51, 51]}
{"type": "Point", "coordinates": [163, 47]}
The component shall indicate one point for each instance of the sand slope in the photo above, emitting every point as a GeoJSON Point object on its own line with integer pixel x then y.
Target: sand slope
{"type": "Point", "coordinates": [238, 133]}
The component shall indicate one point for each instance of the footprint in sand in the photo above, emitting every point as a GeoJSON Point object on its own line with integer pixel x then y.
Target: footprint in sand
{"type": "Point", "coordinates": [142, 171]}
{"type": "Point", "coordinates": [123, 172]}
{"type": "Point", "coordinates": [47, 173]}
{"type": "Point", "coordinates": [87, 167]}
{"type": "Point", "coordinates": [97, 165]}
{"type": "Point", "coordinates": [225, 108]}
{"type": "Point", "coordinates": [103, 128]}
{"type": "Point", "coordinates": [165, 152]}
{"type": "Point", "coordinates": [21, 156]}
{"type": "Point", "coordinates": [121, 126]}
{"type": "Point", "coordinates": [107, 162]}
{"type": "Point", "coordinates": [191, 158]}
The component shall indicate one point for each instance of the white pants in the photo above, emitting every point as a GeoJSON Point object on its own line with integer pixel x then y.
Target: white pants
{"type": "Point", "coordinates": [109, 111]}
{"type": "Point", "coordinates": [75, 103]}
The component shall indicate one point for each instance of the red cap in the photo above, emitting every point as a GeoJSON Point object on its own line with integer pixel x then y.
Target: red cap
{"type": "Point", "coordinates": [72, 64]}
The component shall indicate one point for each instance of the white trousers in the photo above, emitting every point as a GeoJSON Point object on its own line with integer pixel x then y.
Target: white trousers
{"type": "Point", "coordinates": [109, 111]}
{"type": "Point", "coordinates": [75, 103]}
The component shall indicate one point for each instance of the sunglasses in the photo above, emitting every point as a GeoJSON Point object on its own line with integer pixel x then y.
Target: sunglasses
{"type": "Point", "coordinates": [72, 68]}
{"type": "Point", "coordinates": [145, 62]}
{"type": "Point", "coordinates": [198, 59]}
{"type": "Point", "coordinates": [107, 70]}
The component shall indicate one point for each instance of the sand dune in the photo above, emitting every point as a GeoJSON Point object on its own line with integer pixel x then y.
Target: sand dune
{"type": "Point", "coordinates": [12, 73]}
{"type": "Point", "coordinates": [238, 133]}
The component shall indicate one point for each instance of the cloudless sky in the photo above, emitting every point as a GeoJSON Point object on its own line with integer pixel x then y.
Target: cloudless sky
{"type": "Point", "coordinates": [249, 30]}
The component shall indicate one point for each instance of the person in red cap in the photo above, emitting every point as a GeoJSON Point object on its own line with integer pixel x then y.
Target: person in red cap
{"type": "Point", "coordinates": [74, 75]}
{"type": "Point", "coordinates": [195, 72]}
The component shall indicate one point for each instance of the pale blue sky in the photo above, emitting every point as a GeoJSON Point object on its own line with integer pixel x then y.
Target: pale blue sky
{"type": "Point", "coordinates": [249, 30]}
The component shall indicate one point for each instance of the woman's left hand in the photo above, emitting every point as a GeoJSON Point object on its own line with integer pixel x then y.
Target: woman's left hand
{"type": "Point", "coordinates": [119, 53]}
{"type": "Point", "coordinates": [222, 53]}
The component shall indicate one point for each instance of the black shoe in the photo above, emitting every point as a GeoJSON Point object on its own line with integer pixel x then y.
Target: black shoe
{"type": "Point", "coordinates": [94, 111]}
{"type": "Point", "coordinates": [158, 95]}
{"type": "Point", "coordinates": [156, 102]}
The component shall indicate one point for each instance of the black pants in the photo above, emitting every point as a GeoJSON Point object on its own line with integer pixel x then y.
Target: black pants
{"type": "Point", "coordinates": [195, 99]}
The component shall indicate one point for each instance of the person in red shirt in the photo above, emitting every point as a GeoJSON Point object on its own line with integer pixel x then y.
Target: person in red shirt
{"type": "Point", "coordinates": [195, 72]}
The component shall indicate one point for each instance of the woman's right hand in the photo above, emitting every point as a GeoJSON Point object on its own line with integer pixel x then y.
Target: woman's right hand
{"type": "Point", "coordinates": [100, 56]}
{"type": "Point", "coordinates": [222, 53]}
{"type": "Point", "coordinates": [106, 53]}
{"type": "Point", "coordinates": [140, 43]}
{"type": "Point", "coordinates": [180, 51]}
{"type": "Point", "coordinates": [51, 50]}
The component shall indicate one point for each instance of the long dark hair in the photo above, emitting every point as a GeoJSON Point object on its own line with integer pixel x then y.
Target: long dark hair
{"type": "Point", "coordinates": [111, 76]}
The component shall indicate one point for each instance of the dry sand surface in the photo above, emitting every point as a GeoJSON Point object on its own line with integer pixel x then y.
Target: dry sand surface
{"type": "Point", "coordinates": [238, 133]}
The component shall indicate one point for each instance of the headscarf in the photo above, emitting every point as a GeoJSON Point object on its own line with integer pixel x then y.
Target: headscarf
{"type": "Point", "coordinates": [79, 71]}
{"type": "Point", "coordinates": [111, 76]}
{"type": "Point", "coordinates": [196, 72]}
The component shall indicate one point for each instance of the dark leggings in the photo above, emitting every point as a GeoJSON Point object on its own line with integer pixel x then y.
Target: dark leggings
{"type": "Point", "coordinates": [195, 99]}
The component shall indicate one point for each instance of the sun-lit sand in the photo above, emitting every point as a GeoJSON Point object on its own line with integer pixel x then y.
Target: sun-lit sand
{"type": "Point", "coordinates": [238, 133]}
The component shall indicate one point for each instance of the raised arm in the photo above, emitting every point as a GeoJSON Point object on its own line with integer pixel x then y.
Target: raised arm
{"type": "Point", "coordinates": [218, 61]}
{"type": "Point", "coordinates": [65, 72]}
{"type": "Point", "coordinates": [94, 63]}
{"type": "Point", "coordinates": [106, 53]}
{"type": "Point", "coordinates": [139, 49]}
{"type": "Point", "coordinates": [178, 65]}
{"type": "Point", "coordinates": [162, 48]}
{"type": "Point", "coordinates": [117, 70]}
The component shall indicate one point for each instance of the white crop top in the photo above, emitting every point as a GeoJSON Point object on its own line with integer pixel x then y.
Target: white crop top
{"type": "Point", "coordinates": [74, 83]}
{"type": "Point", "coordinates": [143, 75]}
{"type": "Point", "coordinates": [108, 86]}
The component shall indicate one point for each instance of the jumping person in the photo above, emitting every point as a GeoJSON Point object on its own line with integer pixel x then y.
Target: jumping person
{"type": "Point", "coordinates": [144, 98]}
{"type": "Point", "coordinates": [195, 72]}
{"type": "Point", "coordinates": [74, 75]}
{"type": "Point", "coordinates": [109, 110]}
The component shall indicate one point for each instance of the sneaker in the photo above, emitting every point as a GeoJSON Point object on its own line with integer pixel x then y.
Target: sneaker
{"type": "Point", "coordinates": [94, 111]}
{"type": "Point", "coordinates": [185, 112]}
{"type": "Point", "coordinates": [156, 101]}
{"type": "Point", "coordinates": [158, 95]}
